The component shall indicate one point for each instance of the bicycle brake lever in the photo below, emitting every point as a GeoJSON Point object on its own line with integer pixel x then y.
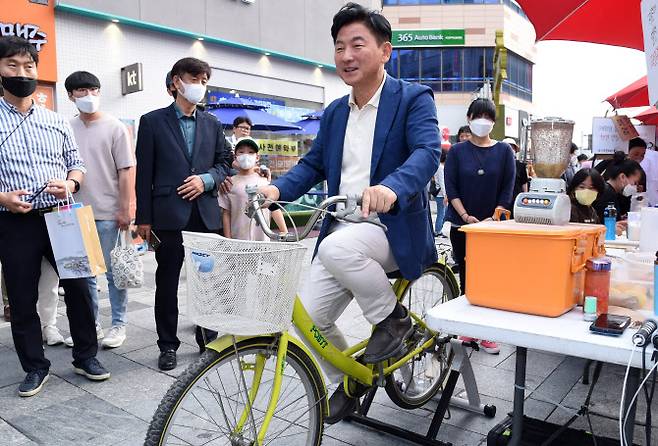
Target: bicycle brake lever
{"type": "Point", "coordinates": [350, 208]}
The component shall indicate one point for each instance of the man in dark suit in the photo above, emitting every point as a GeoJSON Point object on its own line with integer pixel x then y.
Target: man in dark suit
{"type": "Point", "coordinates": [182, 157]}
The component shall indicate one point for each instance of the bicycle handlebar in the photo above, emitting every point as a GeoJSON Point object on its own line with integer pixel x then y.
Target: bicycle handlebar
{"type": "Point", "coordinates": [349, 214]}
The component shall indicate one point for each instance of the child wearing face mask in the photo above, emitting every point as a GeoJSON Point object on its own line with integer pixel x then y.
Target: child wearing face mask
{"type": "Point", "coordinates": [236, 224]}
{"type": "Point", "coordinates": [586, 185]}
{"type": "Point", "coordinates": [622, 175]}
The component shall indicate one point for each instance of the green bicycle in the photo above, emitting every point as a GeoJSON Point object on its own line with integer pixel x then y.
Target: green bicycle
{"type": "Point", "coordinates": [261, 385]}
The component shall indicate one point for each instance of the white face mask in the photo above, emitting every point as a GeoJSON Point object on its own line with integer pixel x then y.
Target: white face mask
{"type": "Point", "coordinates": [481, 127]}
{"type": "Point", "coordinates": [246, 161]}
{"type": "Point", "coordinates": [88, 104]}
{"type": "Point", "coordinates": [629, 190]}
{"type": "Point", "coordinates": [193, 92]}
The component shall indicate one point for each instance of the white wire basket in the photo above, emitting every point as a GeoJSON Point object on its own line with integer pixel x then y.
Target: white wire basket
{"type": "Point", "coordinates": [241, 287]}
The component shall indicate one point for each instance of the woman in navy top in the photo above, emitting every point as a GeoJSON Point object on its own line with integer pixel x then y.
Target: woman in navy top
{"type": "Point", "coordinates": [479, 177]}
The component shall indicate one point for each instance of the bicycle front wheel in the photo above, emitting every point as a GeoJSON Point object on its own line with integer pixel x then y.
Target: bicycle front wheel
{"type": "Point", "coordinates": [417, 381]}
{"type": "Point", "coordinates": [208, 404]}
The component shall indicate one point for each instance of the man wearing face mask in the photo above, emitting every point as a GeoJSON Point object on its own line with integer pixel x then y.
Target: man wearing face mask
{"type": "Point", "coordinates": [109, 184]}
{"type": "Point", "coordinates": [182, 157]}
{"type": "Point", "coordinates": [37, 148]}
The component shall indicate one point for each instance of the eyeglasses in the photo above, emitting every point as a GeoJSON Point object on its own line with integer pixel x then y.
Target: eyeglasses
{"type": "Point", "coordinates": [246, 129]}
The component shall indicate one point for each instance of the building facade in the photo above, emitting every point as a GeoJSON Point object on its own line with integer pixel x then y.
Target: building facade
{"type": "Point", "coordinates": [277, 52]}
{"type": "Point", "coordinates": [449, 46]}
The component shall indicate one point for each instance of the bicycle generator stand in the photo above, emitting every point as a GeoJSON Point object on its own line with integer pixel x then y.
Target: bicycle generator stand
{"type": "Point", "coordinates": [461, 364]}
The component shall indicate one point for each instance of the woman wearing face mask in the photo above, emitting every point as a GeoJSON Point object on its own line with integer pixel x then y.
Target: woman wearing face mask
{"type": "Point", "coordinates": [479, 178]}
{"type": "Point", "coordinates": [622, 175]}
{"type": "Point", "coordinates": [586, 185]}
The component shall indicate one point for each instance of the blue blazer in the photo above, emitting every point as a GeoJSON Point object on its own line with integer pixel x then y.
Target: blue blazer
{"type": "Point", "coordinates": [405, 155]}
{"type": "Point", "coordinates": [163, 163]}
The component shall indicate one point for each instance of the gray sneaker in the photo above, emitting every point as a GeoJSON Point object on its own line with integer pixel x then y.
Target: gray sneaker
{"type": "Point", "coordinates": [115, 337]}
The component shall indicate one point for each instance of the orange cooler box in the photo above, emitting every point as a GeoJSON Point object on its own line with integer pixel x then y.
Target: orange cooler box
{"type": "Point", "coordinates": [529, 268]}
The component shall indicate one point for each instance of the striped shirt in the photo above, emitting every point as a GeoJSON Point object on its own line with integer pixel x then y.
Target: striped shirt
{"type": "Point", "coordinates": [40, 149]}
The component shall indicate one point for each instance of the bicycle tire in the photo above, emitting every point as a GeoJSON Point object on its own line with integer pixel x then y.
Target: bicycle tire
{"type": "Point", "coordinates": [406, 398]}
{"type": "Point", "coordinates": [171, 405]}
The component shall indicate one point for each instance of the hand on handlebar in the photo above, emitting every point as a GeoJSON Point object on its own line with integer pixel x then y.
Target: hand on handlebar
{"type": "Point", "coordinates": [378, 199]}
{"type": "Point", "coordinates": [271, 193]}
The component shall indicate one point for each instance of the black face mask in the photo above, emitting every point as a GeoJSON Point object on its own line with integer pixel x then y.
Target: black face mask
{"type": "Point", "coordinates": [19, 86]}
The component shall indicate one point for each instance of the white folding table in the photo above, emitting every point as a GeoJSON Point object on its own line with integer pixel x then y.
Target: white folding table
{"type": "Point", "coordinates": [568, 335]}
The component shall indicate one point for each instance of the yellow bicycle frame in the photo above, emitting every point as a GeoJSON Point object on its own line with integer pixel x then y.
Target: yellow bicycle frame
{"type": "Point", "coordinates": [343, 360]}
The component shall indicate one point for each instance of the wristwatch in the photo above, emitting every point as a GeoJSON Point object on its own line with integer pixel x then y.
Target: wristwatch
{"type": "Point", "coordinates": [77, 184]}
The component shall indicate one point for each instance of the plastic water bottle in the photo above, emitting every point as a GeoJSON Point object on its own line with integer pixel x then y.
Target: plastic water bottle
{"type": "Point", "coordinates": [610, 221]}
{"type": "Point", "coordinates": [655, 285]}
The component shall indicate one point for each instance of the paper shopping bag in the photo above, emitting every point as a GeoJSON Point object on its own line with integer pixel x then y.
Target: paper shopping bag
{"type": "Point", "coordinates": [75, 242]}
{"type": "Point", "coordinates": [624, 127]}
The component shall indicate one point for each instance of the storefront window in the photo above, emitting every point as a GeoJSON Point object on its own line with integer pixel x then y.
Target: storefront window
{"type": "Point", "coordinates": [460, 69]}
{"type": "Point", "coordinates": [451, 69]}
{"type": "Point", "coordinates": [431, 65]}
{"type": "Point", "coordinates": [409, 65]}
{"type": "Point", "coordinates": [509, 3]}
{"type": "Point", "coordinates": [392, 65]}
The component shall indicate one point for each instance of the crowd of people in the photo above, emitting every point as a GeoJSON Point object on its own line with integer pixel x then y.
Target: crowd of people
{"type": "Point", "coordinates": [165, 191]}
{"type": "Point", "coordinates": [187, 176]}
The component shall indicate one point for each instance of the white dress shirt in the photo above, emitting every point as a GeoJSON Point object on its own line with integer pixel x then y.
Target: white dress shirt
{"type": "Point", "coordinates": [357, 146]}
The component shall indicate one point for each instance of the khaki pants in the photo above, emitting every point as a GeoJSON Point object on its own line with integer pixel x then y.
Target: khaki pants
{"type": "Point", "coordinates": [351, 262]}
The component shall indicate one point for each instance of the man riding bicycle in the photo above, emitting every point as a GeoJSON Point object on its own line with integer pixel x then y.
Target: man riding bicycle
{"type": "Point", "coordinates": [381, 142]}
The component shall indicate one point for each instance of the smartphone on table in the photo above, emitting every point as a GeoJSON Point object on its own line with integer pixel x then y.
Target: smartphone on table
{"type": "Point", "coordinates": [610, 324]}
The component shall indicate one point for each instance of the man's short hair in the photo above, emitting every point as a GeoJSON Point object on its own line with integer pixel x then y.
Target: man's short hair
{"type": "Point", "coordinates": [373, 20]}
{"type": "Point", "coordinates": [13, 45]}
{"type": "Point", "coordinates": [191, 65]}
{"type": "Point", "coordinates": [637, 142]}
{"type": "Point", "coordinates": [169, 81]}
{"type": "Point", "coordinates": [81, 79]}
{"type": "Point", "coordinates": [241, 120]}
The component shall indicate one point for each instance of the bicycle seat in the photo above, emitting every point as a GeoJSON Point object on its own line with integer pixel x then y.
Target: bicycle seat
{"type": "Point", "coordinates": [394, 275]}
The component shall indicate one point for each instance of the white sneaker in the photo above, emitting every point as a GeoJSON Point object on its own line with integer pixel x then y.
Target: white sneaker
{"type": "Point", "coordinates": [115, 337]}
{"type": "Point", "coordinates": [51, 335]}
{"type": "Point", "coordinates": [99, 335]}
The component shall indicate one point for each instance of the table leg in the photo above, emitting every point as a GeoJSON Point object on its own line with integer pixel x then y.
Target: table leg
{"type": "Point", "coordinates": [631, 388]}
{"type": "Point", "coordinates": [519, 396]}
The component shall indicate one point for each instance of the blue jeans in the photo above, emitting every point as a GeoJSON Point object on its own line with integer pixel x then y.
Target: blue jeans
{"type": "Point", "coordinates": [107, 232]}
{"type": "Point", "coordinates": [440, 214]}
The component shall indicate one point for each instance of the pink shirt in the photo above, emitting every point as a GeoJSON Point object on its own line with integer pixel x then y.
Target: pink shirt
{"type": "Point", "coordinates": [242, 227]}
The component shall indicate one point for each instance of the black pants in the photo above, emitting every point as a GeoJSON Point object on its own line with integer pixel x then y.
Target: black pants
{"type": "Point", "coordinates": [458, 241]}
{"type": "Point", "coordinates": [169, 256]}
{"type": "Point", "coordinates": [23, 243]}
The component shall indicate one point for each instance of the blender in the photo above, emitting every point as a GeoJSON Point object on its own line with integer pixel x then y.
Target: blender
{"type": "Point", "coordinates": [547, 202]}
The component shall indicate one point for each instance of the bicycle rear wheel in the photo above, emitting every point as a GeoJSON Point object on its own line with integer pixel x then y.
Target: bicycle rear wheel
{"type": "Point", "coordinates": [416, 382]}
{"type": "Point", "coordinates": [207, 402]}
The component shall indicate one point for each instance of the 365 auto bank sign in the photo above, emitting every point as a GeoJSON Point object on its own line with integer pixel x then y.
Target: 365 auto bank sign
{"type": "Point", "coordinates": [428, 37]}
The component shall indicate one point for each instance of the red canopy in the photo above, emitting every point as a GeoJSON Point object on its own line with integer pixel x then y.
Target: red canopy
{"type": "Point", "coordinates": [610, 22]}
{"type": "Point", "coordinates": [648, 116]}
{"type": "Point", "coordinates": [633, 95]}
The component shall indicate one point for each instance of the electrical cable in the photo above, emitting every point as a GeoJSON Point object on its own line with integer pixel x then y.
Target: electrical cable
{"type": "Point", "coordinates": [653, 369]}
{"type": "Point", "coordinates": [647, 429]}
{"type": "Point", "coordinates": [622, 440]}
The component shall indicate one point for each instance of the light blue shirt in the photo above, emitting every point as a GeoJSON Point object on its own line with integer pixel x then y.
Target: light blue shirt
{"type": "Point", "coordinates": [188, 128]}
{"type": "Point", "coordinates": [35, 148]}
